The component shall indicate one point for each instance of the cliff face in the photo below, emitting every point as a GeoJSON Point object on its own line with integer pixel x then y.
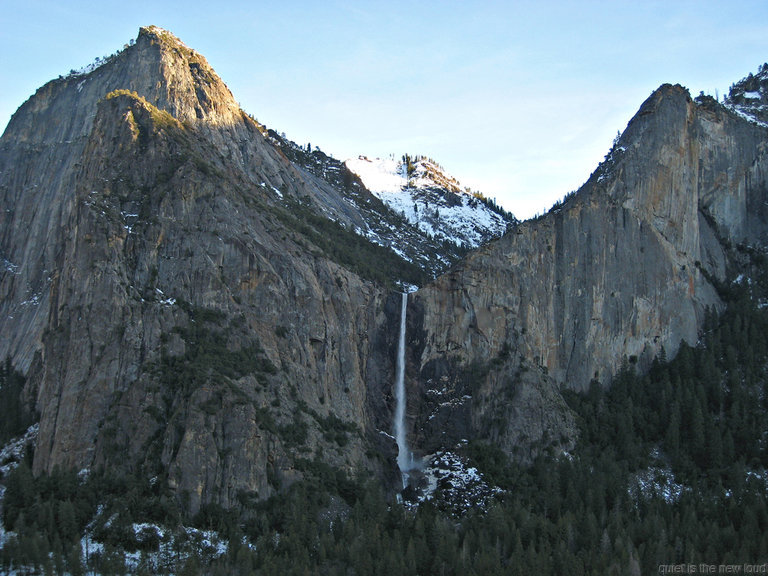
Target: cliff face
{"type": "Point", "coordinates": [168, 305]}
{"type": "Point", "coordinates": [44, 151]}
{"type": "Point", "coordinates": [621, 269]}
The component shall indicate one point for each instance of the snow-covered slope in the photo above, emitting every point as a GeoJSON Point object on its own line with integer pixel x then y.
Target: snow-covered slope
{"type": "Point", "coordinates": [409, 206]}
{"type": "Point", "coordinates": [434, 202]}
{"type": "Point", "coordinates": [749, 97]}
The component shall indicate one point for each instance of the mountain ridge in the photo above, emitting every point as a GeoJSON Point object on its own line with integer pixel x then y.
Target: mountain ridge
{"type": "Point", "coordinates": [448, 212]}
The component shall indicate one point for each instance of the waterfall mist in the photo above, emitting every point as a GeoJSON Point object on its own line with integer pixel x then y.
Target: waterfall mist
{"type": "Point", "coordinates": [405, 460]}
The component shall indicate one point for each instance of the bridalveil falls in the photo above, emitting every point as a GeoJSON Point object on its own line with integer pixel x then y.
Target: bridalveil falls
{"type": "Point", "coordinates": [404, 456]}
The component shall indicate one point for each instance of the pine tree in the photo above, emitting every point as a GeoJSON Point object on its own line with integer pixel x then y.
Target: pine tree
{"type": "Point", "coordinates": [696, 433]}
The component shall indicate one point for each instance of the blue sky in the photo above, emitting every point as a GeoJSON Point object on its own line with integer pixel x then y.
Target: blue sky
{"type": "Point", "coordinates": [520, 100]}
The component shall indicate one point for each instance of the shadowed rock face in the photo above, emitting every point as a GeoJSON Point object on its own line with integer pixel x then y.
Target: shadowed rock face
{"type": "Point", "coordinates": [165, 292]}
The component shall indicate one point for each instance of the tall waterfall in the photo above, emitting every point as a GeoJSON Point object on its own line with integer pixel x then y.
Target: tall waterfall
{"type": "Point", "coordinates": [404, 456]}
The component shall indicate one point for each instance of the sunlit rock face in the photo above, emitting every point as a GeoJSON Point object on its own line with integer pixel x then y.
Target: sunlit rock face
{"type": "Point", "coordinates": [621, 269]}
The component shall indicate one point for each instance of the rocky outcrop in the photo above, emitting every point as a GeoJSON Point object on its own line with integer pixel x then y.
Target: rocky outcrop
{"type": "Point", "coordinates": [618, 271]}
{"type": "Point", "coordinates": [43, 152]}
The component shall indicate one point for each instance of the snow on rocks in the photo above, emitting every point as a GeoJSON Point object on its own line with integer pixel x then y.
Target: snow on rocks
{"type": "Point", "coordinates": [8, 266]}
{"type": "Point", "coordinates": [13, 452]}
{"type": "Point", "coordinates": [448, 480]}
{"type": "Point", "coordinates": [657, 481]}
{"type": "Point", "coordinates": [429, 199]}
{"type": "Point", "coordinates": [746, 114]}
{"type": "Point", "coordinates": [748, 98]}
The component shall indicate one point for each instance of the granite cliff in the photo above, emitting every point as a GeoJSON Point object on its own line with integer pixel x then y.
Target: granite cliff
{"type": "Point", "coordinates": [173, 292]}
{"type": "Point", "coordinates": [627, 265]}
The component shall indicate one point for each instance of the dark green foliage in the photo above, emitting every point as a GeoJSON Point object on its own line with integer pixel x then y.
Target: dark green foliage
{"type": "Point", "coordinates": [50, 512]}
{"type": "Point", "coordinates": [327, 480]}
{"type": "Point", "coordinates": [212, 517]}
{"type": "Point", "coordinates": [335, 429]}
{"type": "Point", "coordinates": [16, 415]}
{"type": "Point", "coordinates": [358, 254]}
{"type": "Point", "coordinates": [410, 167]}
{"type": "Point", "coordinates": [493, 462]}
{"type": "Point", "coordinates": [282, 331]}
{"type": "Point", "coordinates": [208, 359]}
{"type": "Point", "coordinates": [295, 433]}
{"type": "Point", "coordinates": [265, 419]}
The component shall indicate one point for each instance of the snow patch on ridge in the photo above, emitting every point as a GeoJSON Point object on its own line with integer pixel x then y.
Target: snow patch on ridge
{"type": "Point", "coordinates": [430, 199]}
{"type": "Point", "coordinates": [746, 116]}
{"type": "Point", "coordinates": [748, 98]}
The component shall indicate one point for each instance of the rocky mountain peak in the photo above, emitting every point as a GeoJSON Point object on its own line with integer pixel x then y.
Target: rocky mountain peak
{"type": "Point", "coordinates": [154, 33]}
{"type": "Point", "coordinates": [158, 66]}
{"type": "Point", "coordinates": [424, 172]}
{"type": "Point", "coordinates": [432, 200]}
{"type": "Point", "coordinates": [188, 87]}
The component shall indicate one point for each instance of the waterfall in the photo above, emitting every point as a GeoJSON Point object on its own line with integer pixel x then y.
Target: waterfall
{"type": "Point", "coordinates": [404, 456]}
